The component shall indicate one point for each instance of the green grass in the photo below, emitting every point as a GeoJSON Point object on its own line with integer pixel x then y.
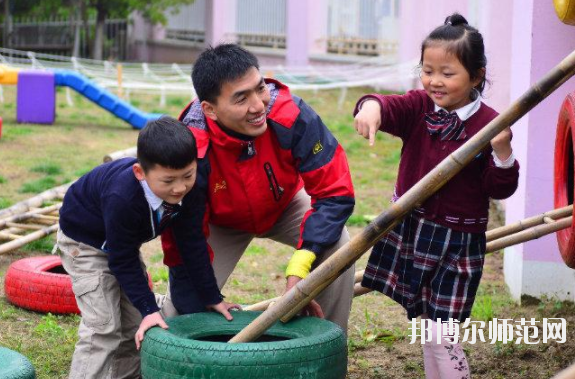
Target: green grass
{"type": "Point", "coordinates": [4, 203]}
{"type": "Point", "coordinates": [39, 185]}
{"type": "Point", "coordinates": [47, 168]}
{"type": "Point", "coordinates": [43, 245]}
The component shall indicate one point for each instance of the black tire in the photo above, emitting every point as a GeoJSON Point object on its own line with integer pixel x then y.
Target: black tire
{"type": "Point", "coordinates": [14, 365]}
{"type": "Point", "coordinates": [309, 348]}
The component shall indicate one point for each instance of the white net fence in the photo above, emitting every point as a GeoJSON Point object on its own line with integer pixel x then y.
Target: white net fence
{"type": "Point", "coordinates": [163, 79]}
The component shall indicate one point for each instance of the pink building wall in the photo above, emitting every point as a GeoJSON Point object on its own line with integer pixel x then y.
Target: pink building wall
{"type": "Point", "coordinates": [539, 42]}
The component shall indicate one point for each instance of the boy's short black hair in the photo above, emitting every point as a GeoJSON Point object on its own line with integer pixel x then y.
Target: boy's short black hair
{"type": "Point", "coordinates": [166, 142]}
{"type": "Point", "coordinates": [218, 65]}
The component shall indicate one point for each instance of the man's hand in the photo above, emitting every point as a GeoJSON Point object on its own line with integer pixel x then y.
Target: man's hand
{"type": "Point", "coordinates": [151, 320]}
{"type": "Point", "coordinates": [313, 308]}
{"type": "Point", "coordinates": [368, 120]}
{"type": "Point", "coordinates": [224, 308]}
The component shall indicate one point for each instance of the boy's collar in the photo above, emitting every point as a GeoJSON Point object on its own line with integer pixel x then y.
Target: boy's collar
{"type": "Point", "coordinates": [152, 199]}
{"type": "Point", "coordinates": [466, 111]}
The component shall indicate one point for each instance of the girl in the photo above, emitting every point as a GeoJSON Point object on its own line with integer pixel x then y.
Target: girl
{"type": "Point", "coordinates": [431, 263]}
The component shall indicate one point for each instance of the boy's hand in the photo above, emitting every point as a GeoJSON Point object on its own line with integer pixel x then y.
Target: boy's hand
{"type": "Point", "coordinates": [313, 308]}
{"type": "Point", "coordinates": [151, 320]}
{"type": "Point", "coordinates": [224, 308]}
{"type": "Point", "coordinates": [501, 145]}
{"type": "Point", "coordinates": [368, 120]}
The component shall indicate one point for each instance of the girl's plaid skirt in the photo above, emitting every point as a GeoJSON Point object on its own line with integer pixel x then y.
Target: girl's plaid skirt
{"type": "Point", "coordinates": [427, 268]}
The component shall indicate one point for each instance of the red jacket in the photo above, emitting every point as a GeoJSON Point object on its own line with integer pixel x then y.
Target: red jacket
{"type": "Point", "coordinates": [251, 182]}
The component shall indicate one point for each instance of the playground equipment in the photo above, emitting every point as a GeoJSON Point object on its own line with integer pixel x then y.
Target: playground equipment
{"type": "Point", "coordinates": [300, 295]}
{"type": "Point", "coordinates": [564, 174]}
{"type": "Point", "coordinates": [15, 365]}
{"type": "Point", "coordinates": [42, 284]}
{"type": "Point", "coordinates": [36, 95]}
{"type": "Point", "coordinates": [565, 10]}
{"type": "Point", "coordinates": [194, 347]}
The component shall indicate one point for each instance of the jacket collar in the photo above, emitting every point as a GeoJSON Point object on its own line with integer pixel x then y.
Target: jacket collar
{"type": "Point", "coordinates": [281, 109]}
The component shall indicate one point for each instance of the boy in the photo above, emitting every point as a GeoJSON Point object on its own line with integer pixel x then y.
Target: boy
{"type": "Point", "coordinates": [105, 218]}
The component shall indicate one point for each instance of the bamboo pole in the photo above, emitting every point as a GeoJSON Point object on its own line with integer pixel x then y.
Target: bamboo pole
{"type": "Point", "coordinates": [358, 290]}
{"type": "Point", "coordinates": [45, 218]}
{"type": "Point", "coordinates": [528, 223]}
{"type": "Point", "coordinates": [12, 245]}
{"type": "Point", "coordinates": [35, 201]}
{"type": "Point", "coordinates": [131, 152]}
{"type": "Point", "coordinates": [301, 294]}
{"type": "Point", "coordinates": [529, 234]}
{"type": "Point", "coordinates": [492, 245]}
{"type": "Point", "coordinates": [25, 216]}
{"type": "Point", "coordinates": [24, 226]}
{"type": "Point", "coordinates": [9, 236]}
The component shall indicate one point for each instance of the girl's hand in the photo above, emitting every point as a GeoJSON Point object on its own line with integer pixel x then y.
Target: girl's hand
{"type": "Point", "coordinates": [501, 145]}
{"type": "Point", "coordinates": [368, 120]}
{"type": "Point", "coordinates": [151, 320]}
{"type": "Point", "coordinates": [224, 308]}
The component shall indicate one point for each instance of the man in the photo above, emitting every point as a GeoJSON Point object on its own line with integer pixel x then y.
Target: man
{"type": "Point", "coordinates": [276, 172]}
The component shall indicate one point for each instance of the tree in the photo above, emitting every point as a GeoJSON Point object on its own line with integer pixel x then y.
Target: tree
{"type": "Point", "coordinates": [76, 10]}
{"type": "Point", "coordinates": [154, 11]}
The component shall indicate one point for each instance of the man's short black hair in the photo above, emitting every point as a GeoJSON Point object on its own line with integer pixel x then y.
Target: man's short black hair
{"type": "Point", "coordinates": [166, 142]}
{"type": "Point", "coordinates": [218, 65]}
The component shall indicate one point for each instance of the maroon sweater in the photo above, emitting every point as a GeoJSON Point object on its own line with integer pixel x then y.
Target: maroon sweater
{"type": "Point", "coordinates": [463, 203]}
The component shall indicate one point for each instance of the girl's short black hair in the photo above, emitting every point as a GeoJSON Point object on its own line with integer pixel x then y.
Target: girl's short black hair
{"type": "Point", "coordinates": [465, 42]}
{"type": "Point", "coordinates": [218, 65]}
{"type": "Point", "coordinates": [166, 142]}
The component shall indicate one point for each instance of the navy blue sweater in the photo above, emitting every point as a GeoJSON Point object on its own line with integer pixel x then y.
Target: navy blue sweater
{"type": "Point", "coordinates": [107, 209]}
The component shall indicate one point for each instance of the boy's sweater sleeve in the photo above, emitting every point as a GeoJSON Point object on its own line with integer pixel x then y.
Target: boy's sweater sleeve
{"type": "Point", "coordinates": [187, 232]}
{"type": "Point", "coordinates": [399, 113]}
{"type": "Point", "coordinates": [323, 166]}
{"type": "Point", "coordinates": [123, 248]}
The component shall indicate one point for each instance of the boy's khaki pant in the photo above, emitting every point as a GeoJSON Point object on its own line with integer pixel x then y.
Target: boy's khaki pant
{"type": "Point", "coordinates": [229, 246]}
{"type": "Point", "coordinates": [106, 347]}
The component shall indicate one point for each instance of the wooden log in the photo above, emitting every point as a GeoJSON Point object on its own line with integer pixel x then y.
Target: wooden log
{"type": "Point", "coordinates": [35, 201]}
{"type": "Point", "coordinates": [131, 152]}
{"type": "Point", "coordinates": [13, 245]}
{"type": "Point", "coordinates": [344, 257]}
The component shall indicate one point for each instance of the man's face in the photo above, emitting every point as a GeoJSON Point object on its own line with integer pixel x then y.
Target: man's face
{"type": "Point", "coordinates": [241, 105]}
{"type": "Point", "coordinates": [170, 185]}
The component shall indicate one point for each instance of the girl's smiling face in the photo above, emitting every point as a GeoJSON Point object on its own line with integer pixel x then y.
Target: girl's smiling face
{"type": "Point", "coordinates": [445, 79]}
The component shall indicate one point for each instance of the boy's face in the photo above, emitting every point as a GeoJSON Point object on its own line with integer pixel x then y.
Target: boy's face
{"type": "Point", "coordinates": [169, 184]}
{"type": "Point", "coordinates": [241, 105]}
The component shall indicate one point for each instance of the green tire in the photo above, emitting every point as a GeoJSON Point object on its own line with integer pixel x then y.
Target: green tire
{"type": "Point", "coordinates": [14, 365]}
{"type": "Point", "coordinates": [306, 347]}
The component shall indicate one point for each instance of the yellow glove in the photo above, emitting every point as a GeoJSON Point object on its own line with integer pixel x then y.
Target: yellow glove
{"type": "Point", "coordinates": [300, 263]}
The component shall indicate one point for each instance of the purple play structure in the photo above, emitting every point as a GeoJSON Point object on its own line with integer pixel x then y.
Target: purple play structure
{"type": "Point", "coordinates": [36, 98]}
